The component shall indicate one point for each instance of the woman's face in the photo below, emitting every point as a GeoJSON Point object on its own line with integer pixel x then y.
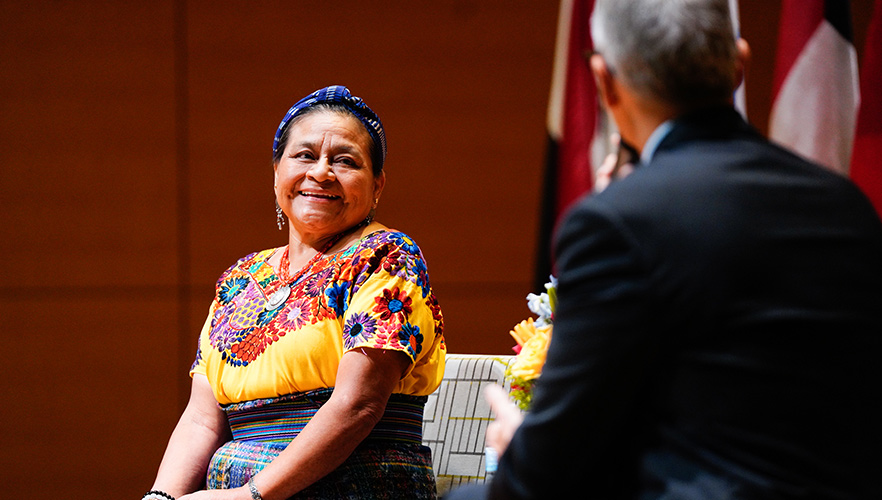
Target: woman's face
{"type": "Point", "coordinates": [324, 181]}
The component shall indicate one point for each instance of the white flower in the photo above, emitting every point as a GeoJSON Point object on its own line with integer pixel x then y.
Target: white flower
{"type": "Point", "coordinates": [540, 306]}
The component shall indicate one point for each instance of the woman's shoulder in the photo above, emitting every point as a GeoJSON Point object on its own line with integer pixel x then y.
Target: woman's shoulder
{"type": "Point", "coordinates": [246, 263]}
{"type": "Point", "coordinates": [394, 255]}
{"type": "Point", "coordinates": [390, 239]}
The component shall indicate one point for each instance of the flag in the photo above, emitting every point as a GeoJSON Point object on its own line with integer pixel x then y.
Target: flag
{"type": "Point", "coordinates": [578, 129]}
{"type": "Point", "coordinates": [815, 83]}
{"type": "Point", "coordinates": [866, 160]}
{"type": "Point", "coordinates": [573, 117]}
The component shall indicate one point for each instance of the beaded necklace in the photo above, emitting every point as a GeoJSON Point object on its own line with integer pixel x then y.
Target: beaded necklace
{"type": "Point", "coordinates": [281, 295]}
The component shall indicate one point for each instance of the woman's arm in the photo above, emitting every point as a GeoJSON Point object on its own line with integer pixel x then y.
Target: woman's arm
{"type": "Point", "coordinates": [202, 429]}
{"type": "Point", "coordinates": [365, 380]}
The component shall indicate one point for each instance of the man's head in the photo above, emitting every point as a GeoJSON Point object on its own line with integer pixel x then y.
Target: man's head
{"type": "Point", "coordinates": [681, 52]}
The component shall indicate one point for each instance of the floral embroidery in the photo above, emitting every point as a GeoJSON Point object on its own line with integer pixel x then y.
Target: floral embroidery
{"type": "Point", "coordinates": [396, 264]}
{"type": "Point", "coordinates": [406, 243]}
{"type": "Point", "coordinates": [295, 315]}
{"type": "Point", "coordinates": [419, 269]}
{"type": "Point", "coordinates": [242, 327]}
{"type": "Point", "coordinates": [348, 252]}
{"type": "Point", "coordinates": [220, 335]}
{"type": "Point", "coordinates": [247, 350]}
{"type": "Point", "coordinates": [230, 288]}
{"type": "Point", "coordinates": [360, 326]}
{"type": "Point", "coordinates": [315, 284]}
{"type": "Point", "coordinates": [245, 309]}
{"type": "Point", "coordinates": [198, 359]}
{"type": "Point", "coordinates": [338, 297]}
{"type": "Point", "coordinates": [262, 273]}
{"type": "Point", "coordinates": [267, 315]}
{"type": "Point", "coordinates": [411, 339]}
{"type": "Point", "coordinates": [393, 303]}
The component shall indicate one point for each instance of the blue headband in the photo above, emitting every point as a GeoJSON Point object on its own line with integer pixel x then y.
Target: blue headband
{"type": "Point", "coordinates": [337, 94]}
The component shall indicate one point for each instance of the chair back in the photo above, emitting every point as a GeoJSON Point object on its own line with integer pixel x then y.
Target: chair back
{"type": "Point", "coordinates": [456, 418]}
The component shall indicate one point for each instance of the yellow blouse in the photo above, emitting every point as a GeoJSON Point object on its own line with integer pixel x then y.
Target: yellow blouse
{"type": "Point", "coordinates": [374, 294]}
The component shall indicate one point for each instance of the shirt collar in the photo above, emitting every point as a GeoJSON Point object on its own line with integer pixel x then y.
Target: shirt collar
{"type": "Point", "coordinates": [654, 140]}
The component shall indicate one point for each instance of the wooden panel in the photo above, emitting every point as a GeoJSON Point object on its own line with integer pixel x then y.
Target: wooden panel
{"type": "Point", "coordinates": [87, 143]}
{"type": "Point", "coordinates": [88, 240]}
{"type": "Point", "coordinates": [90, 393]}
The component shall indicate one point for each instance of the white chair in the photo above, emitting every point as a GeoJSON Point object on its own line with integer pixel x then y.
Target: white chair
{"type": "Point", "coordinates": [456, 417]}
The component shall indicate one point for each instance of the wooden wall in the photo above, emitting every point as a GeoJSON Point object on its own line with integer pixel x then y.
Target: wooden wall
{"type": "Point", "coordinates": [135, 140]}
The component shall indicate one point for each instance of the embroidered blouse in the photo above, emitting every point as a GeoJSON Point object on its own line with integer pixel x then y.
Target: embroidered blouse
{"type": "Point", "coordinates": [374, 294]}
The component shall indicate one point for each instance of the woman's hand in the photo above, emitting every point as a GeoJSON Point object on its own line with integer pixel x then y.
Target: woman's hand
{"type": "Point", "coordinates": [241, 493]}
{"type": "Point", "coordinates": [508, 418]}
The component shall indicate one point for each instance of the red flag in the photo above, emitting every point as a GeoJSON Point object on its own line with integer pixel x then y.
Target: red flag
{"type": "Point", "coordinates": [815, 87]}
{"type": "Point", "coordinates": [866, 160]}
{"type": "Point", "coordinates": [573, 113]}
{"type": "Point", "coordinates": [576, 121]}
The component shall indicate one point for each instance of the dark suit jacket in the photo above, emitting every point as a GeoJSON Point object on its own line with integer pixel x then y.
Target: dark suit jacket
{"type": "Point", "coordinates": [718, 335]}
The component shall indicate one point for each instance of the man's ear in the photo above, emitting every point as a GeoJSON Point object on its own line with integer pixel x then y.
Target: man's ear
{"type": "Point", "coordinates": [604, 80]}
{"type": "Point", "coordinates": [742, 60]}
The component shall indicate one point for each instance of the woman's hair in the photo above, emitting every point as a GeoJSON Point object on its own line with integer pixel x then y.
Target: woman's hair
{"type": "Point", "coordinates": [678, 51]}
{"type": "Point", "coordinates": [329, 107]}
{"type": "Point", "coordinates": [337, 99]}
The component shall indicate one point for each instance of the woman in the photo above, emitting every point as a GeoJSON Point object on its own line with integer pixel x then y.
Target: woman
{"type": "Point", "coordinates": [335, 338]}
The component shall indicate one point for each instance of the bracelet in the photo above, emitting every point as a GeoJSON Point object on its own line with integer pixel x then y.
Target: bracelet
{"type": "Point", "coordinates": [157, 495]}
{"type": "Point", "coordinates": [255, 495]}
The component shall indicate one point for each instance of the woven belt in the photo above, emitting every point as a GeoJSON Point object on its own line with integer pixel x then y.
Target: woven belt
{"type": "Point", "coordinates": [281, 419]}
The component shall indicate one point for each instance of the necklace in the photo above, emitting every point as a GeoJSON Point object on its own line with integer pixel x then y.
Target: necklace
{"type": "Point", "coordinates": [281, 295]}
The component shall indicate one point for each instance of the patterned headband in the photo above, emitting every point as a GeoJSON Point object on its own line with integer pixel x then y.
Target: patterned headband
{"type": "Point", "coordinates": [338, 94]}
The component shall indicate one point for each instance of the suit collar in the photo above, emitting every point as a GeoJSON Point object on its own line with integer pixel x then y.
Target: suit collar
{"type": "Point", "coordinates": [706, 124]}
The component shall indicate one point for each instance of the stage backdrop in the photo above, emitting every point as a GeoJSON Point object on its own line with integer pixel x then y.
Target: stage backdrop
{"type": "Point", "coordinates": [135, 142]}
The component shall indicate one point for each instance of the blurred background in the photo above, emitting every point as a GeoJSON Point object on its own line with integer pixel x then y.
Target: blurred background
{"type": "Point", "coordinates": [135, 142]}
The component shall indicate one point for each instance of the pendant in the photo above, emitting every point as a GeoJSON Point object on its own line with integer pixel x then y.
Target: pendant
{"type": "Point", "coordinates": [278, 298]}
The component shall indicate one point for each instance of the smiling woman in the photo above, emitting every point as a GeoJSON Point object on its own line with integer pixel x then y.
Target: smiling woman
{"type": "Point", "coordinates": [324, 180]}
{"type": "Point", "coordinates": [316, 357]}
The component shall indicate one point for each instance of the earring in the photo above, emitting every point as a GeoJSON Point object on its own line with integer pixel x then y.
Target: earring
{"type": "Point", "coordinates": [373, 213]}
{"type": "Point", "coordinates": [280, 216]}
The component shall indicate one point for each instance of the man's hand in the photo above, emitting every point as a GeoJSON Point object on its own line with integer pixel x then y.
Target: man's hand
{"type": "Point", "coordinates": [607, 172]}
{"type": "Point", "coordinates": [508, 418]}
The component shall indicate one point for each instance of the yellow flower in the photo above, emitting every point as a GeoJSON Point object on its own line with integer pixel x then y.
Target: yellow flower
{"type": "Point", "coordinates": [529, 362]}
{"type": "Point", "coordinates": [523, 331]}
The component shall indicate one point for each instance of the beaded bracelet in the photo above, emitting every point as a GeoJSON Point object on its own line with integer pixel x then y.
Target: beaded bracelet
{"type": "Point", "coordinates": [157, 495]}
{"type": "Point", "coordinates": [255, 495]}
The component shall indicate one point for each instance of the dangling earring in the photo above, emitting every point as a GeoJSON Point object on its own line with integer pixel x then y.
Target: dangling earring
{"type": "Point", "coordinates": [280, 216]}
{"type": "Point", "coordinates": [372, 213]}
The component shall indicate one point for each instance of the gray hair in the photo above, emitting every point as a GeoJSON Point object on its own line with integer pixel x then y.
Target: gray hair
{"type": "Point", "coordinates": [679, 51]}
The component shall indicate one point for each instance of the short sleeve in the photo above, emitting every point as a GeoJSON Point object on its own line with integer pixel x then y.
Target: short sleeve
{"type": "Point", "coordinates": [392, 307]}
{"type": "Point", "coordinates": [198, 365]}
{"type": "Point", "coordinates": [203, 343]}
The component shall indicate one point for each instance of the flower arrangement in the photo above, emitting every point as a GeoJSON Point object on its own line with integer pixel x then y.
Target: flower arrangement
{"type": "Point", "coordinates": [532, 339]}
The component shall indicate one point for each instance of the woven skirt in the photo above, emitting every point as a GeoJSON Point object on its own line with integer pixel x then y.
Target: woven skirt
{"type": "Point", "coordinates": [391, 463]}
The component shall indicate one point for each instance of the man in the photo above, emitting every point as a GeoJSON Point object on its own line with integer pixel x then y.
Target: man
{"type": "Point", "coordinates": [719, 327]}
